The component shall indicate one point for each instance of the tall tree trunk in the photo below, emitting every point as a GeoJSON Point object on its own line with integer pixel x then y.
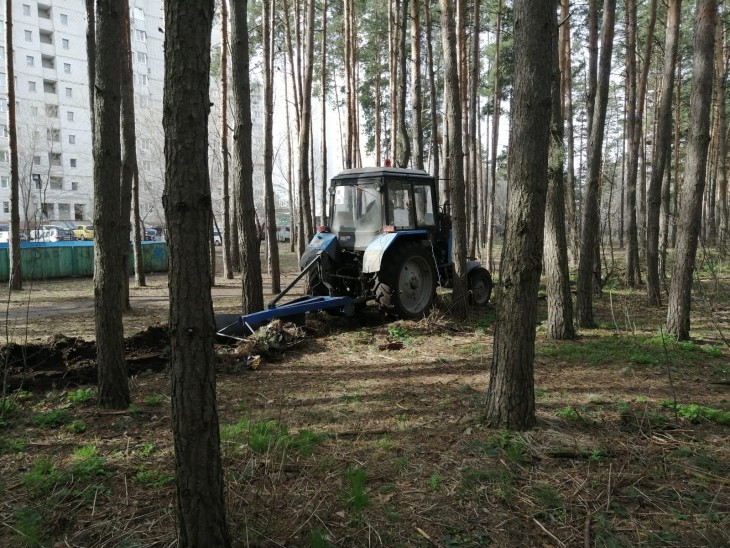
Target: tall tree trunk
{"type": "Point", "coordinates": [473, 137]}
{"type": "Point", "coordinates": [432, 90]}
{"type": "Point", "coordinates": [511, 393]}
{"type": "Point", "coordinates": [393, 27]}
{"type": "Point", "coordinates": [129, 158]}
{"type": "Point", "coordinates": [252, 297]}
{"type": "Point", "coordinates": [677, 175]}
{"type": "Point", "coordinates": [187, 201]}
{"type": "Point", "coordinates": [108, 277]}
{"type": "Point", "coordinates": [592, 82]}
{"type": "Point", "coordinates": [559, 300]}
{"type": "Point", "coordinates": [15, 281]}
{"type": "Point", "coordinates": [662, 148]}
{"type": "Point", "coordinates": [270, 206]}
{"type": "Point", "coordinates": [405, 142]}
{"type": "Point", "coordinates": [456, 172]}
{"type": "Point", "coordinates": [228, 227]}
{"type": "Point", "coordinates": [416, 91]}
{"type": "Point", "coordinates": [304, 130]}
{"type": "Point", "coordinates": [680, 292]}
{"type": "Point", "coordinates": [496, 108]}
{"type": "Point", "coordinates": [723, 237]}
{"type": "Point", "coordinates": [591, 222]}
{"type": "Point", "coordinates": [633, 125]}
{"type": "Point", "coordinates": [323, 129]}
{"type": "Point", "coordinates": [566, 81]}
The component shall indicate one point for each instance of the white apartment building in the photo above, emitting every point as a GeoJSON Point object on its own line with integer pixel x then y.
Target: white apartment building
{"type": "Point", "coordinates": [53, 121]}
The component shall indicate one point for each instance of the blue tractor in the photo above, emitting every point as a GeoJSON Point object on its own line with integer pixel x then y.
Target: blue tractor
{"type": "Point", "coordinates": [387, 242]}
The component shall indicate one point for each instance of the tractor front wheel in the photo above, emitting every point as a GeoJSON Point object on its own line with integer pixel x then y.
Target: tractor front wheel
{"type": "Point", "coordinates": [407, 282]}
{"type": "Point", "coordinates": [480, 286]}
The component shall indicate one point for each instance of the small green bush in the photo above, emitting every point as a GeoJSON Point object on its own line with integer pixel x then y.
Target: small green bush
{"type": "Point", "coordinates": [52, 419]}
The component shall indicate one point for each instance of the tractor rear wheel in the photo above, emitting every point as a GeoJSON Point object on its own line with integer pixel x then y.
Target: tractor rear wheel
{"type": "Point", "coordinates": [480, 286]}
{"type": "Point", "coordinates": [407, 282]}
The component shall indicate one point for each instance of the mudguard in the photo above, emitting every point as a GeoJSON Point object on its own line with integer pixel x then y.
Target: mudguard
{"type": "Point", "coordinates": [322, 241]}
{"type": "Point", "coordinates": [471, 264]}
{"type": "Point", "coordinates": [375, 252]}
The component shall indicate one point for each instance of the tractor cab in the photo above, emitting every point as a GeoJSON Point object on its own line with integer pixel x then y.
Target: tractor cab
{"type": "Point", "coordinates": [368, 202]}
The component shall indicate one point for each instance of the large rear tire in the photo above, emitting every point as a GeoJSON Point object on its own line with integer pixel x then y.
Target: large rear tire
{"type": "Point", "coordinates": [407, 282]}
{"type": "Point", "coordinates": [480, 286]}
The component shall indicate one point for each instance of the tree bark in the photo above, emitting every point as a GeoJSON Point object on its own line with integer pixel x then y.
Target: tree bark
{"type": "Point", "coordinates": [228, 227]}
{"type": "Point", "coordinates": [416, 91]}
{"type": "Point", "coordinates": [680, 292]}
{"type": "Point", "coordinates": [567, 100]}
{"type": "Point", "coordinates": [723, 237]}
{"type": "Point", "coordinates": [559, 300]}
{"type": "Point", "coordinates": [496, 108]}
{"type": "Point", "coordinates": [252, 294]}
{"type": "Point", "coordinates": [108, 277]}
{"type": "Point", "coordinates": [591, 233]}
{"type": "Point", "coordinates": [271, 239]}
{"type": "Point", "coordinates": [662, 148]}
{"type": "Point", "coordinates": [511, 393]}
{"type": "Point", "coordinates": [456, 172]}
{"type": "Point", "coordinates": [323, 129]}
{"type": "Point", "coordinates": [188, 211]}
{"type": "Point", "coordinates": [405, 142]}
{"type": "Point", "coordinates": [432, 91]}
{"type": "Point", "coordinates": [305, 129]}
{"type": "Point", "coordinates": [15, 280]}
{"type": "Point", "coordinates": [129, 160]}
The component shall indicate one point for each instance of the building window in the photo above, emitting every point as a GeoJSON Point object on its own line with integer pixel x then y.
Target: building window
{"type": "Point", "coordinates": [72, 139]}
{"type": "Point", "coordinates": [34, 110]}
{"type": "Point", "coordinates": [4, 130]}
{"type": "Point", "coordinates": [47, 210]}
{"type": "Point", "coordinates": [142, 79]}
{"type": "Point", "coordinates": [56, 183]}
{"type": "Point", "coordinates": [29, 60]}
{"type": "Point", "coordinates": [144, 144]}
{"type": "Point", "coordinates": [74, 185]}
{"type": "Point", "coordinates": [6, 207]}
{"type": "Point", "coordinates": [139, 35]}
{"type": "Point", "coordinates": [3, 104]}
{"type": "Point", "coordinates": [37, 181]}
{"type": "Point", "coordinates": [73, 162]}
{"type": "Point", "coordinates": [49, 86]}
{"type": "Point", "coordinates": [142, 57]}
{"type": "Point", "coordinates": [4, 156]}
{"type": "Point", "coordinates": [69, 92]}
{"type": "Point", "coordinates": [4, 181]}
{"type": "Point", "coordinates": [53, 135]}
{"type": "Point", "coordinates": [147, 165]}
{"type": "Point", "coordinates": [54, 158]}
{"type": "Point", "coordinates": [79, 212]}
{"type": "Point", "coordinates": [64, 212]}
{"type": "Point", "coordinates": [28, 36]}
{"type": "Point", "coordinates": [26, 9]}
{"type": "Point", "coordinates": [44, 12]}
{"type": "Point", "coordinates": [31, 86]}
{"type": "Point", "coordinates": [65, 43]}
{"type": "Point", "coordinates": [70, 116]}
{"type": "Point", "coordinates": [46, 37]}
{"type": "Point", "coordinates": [67, 68]}
{"type": "Point", "coordinates": [36, 160]}
{"type": "Point", "coordinates": [64, 19]}
{"type": "Point", "coordinates": [52, 111]}
{"type": "Point", "coordinates": [138, 13]}
{"type": "Point", "coordinates": [48, 62]}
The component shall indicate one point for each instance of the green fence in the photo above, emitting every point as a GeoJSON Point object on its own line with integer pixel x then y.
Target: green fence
{"type": "Point", "coordinates": [41, 261]}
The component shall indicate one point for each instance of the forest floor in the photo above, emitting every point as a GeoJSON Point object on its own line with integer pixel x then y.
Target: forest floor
{"type": "Point", "coordinates": [366, 432]}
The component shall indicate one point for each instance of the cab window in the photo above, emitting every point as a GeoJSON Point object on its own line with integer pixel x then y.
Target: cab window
{"type": "Point", "coordinates": [399, 206]}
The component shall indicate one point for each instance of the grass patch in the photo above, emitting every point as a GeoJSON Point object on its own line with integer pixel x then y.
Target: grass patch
{"type": "Point", "coordinates": [151, 478]}
{"type": "Point", "coordinates": [154, 400]}
{"type": "Point", "coordinates": [472, 477]}
{"type": "Point", "coordinates": [268, 435]}
{"type": "Point", "coordinates": [42, 477]}
{"type": "Point", "coordinates": [698, 413]}
{"type": "Point", "coordinates": [27, 529]}
{"type": "Point", "coordinates": [52, 419]}
{"type": "Point", "coordinates": [76, 427]}
{"type": "Point", "coordinates": [354, 491]}
{"type": "Point", "coordinates": [87, 463]}
{"type": "Point", "coordinates": [82, 396]}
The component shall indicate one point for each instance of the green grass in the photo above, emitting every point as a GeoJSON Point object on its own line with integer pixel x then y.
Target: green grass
{"type": "Point", "coordinates": [154, 400]}
{"type": "Point", "coordinates": [52, 419]}
{"type": "Point", "coordinates": [81, 396]}
{"type": "Point", "coordinates": [42, 477]}
{"type": "Point", "coordinates": [87, 463]}
{"type": "Point", "coordinates": [569, 413]}
{"type": "Point", "coordinates": [27, 529]}
{"type": "Point", "coordinates": [76, 427]}
{"type": "Point", "coordinates": [354, 491]}
{"type": "Point", "coordinates": [697, 413]}
{"type": "Point", "coordinates": [636, 349]}
{"type": "Point", "coordinates": [269, 435]}
{"type": "Point", "coordinates": [152, 478]}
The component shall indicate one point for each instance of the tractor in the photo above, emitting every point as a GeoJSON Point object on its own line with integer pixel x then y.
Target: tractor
{"type": "Point", "coordinates": [387, 242]}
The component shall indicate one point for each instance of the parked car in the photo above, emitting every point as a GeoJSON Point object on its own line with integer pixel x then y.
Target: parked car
{"type": "Point", "coordinates": [51, 234]}
{"type": "Point", "coordinates": [5, 234]}
{"type": "Point", "coordinates": [150, 234]}
{"type": "Point", "coordinates": [217, 240]}
{"type": "Point", "coordinates": [283, 234]}
{"type": "Point", "coordinates": [83, 232]}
